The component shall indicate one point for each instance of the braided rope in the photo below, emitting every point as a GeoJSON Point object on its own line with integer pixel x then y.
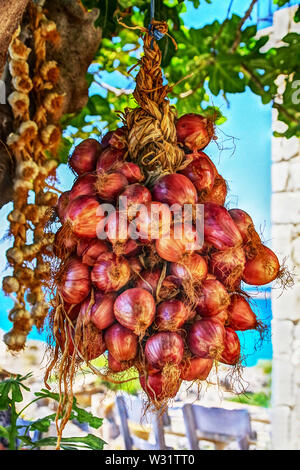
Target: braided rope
{"type": "Point", "coordinates": [152, 140]}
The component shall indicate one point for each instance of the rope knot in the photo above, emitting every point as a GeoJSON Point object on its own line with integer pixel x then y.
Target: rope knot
{"type": "Point", "coordinates": [157, 29]}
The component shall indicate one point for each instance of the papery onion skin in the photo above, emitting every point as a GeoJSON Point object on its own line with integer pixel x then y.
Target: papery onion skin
{"type": "Point", "coordinates": [62, 205]}
{"type": "Point", "coordinates": [135, 265]}
{"type": "Point", "coordinates": [156, 388]}
{"type": "Point", "coordinates": [218, 193]}
{"type": "Point", "coordinates": [131, 248]}
{"type": "Point", "coordinates": [163, 348]}
{"type": "Point", "coordinates": [263, 268]}
{"type": "Point", "coordinates": [84, 157]}
{"type": "Point", "coordinates": [84, 213]}
{"type": "Point", "coordinates": [201, 173]}
{"type": "Point", "coordinates": [194, 267]}
{"type": "Point", "coordinates": [219, 228]}
{"type": "Point", "coordinates": [102, 311]}
{"type": "Point", "coordinates": [171, 315]}
{"type": "Point", "coordinates": [152, 222]}
{"type": "Point", "coordinates": [115, 139]}
{"type": "Point", "coordinates": [108, 158]}
{"type": "Point", "coordinates": [84, 186]}
{"type": "Point", "coordinates": [240, 315]}
{"type": "Point", "coordinates": [174, 189]}
{"type": "Point", "coordinates": [149, 280]}
{"type": "Point", "coordinates": [110, 185]}
{"type": "Point", "coordinates": [135, 309]}
{"type": "Point", "coordinates": [243, 222]}
{"type": "Point", "coordinates": [132, 197]}
{"type": "Point", "coordinates": [213, 298]}
{"type": "Point", "coordinates": [74, 283]}
{"type": "Point", "coordinates": [196, 368]}
{"type": "Point", "coordinates": [232, 348]}
{"type": "Point", "coordinates": [116, 366]}
{"type": "Point", "coordinates": [206, 339]}
{"type": "Point", "coordinates": [116, 227]}
{"type": "Point", "coordinates": [121, 342]}
{"type": "Point", "coordinates": [91, 250]}
{"type": "Point", "coordinates": [174, 249]}
{"type": "Point", "coordinates": [194, 131]}
{"type": "Point", "coordinates": [228, 266]}
{"type": "Point", "coordinates": [220, 317]}
{"type": "Point", "coordinates": [131, 171]}
{"type": "Point", "coordinates": [64, 245]}
{"type": "Point", "coordinates": [110, 273]}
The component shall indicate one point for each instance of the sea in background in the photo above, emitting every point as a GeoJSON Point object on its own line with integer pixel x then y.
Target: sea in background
{"type": "Point", "coordinates": [254, 348]}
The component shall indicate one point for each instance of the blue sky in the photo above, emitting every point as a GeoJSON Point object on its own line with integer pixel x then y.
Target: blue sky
{"type": "Point", "coordinates": [247, 169]}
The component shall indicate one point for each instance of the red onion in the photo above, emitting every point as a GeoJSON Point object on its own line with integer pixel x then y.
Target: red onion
{"type": "Point", "coordinates": [110, 185]}
{"type": "Point", "coordinates": [136, 195]}
{"type": "Point", "coordinates": [130, 170]}
{"type": "Point", "coordinates": [131, 248]}
{"type": "Point", "coordinates": [263, 268]}
{"type": "Point", "coordinates": [194, 268]}
{"type": "Point", "coordinates": [173, 248]}
{"type": "Point", "coordinates": [116, 227]}
{"type": "Point", "coordinates": [62, 205]}
{"type": "Point", "coordinates": [201, 174]}
{"type": "Point", "coordinates": [171, 315]}
{"type": "Point", "coordinates": [115, 139]}
{"type": "Point", "coordinates": [214, 298]}
{"type": "Point", "coordinates": [74, 283]}
{"type": "Point", "coordinates": [135, 309]}
{"type": "Point", "coordinates": [221, 317]}
{"type": "Point", "coordinates": [149, 280]}
{"type": "Point", "coordinates": [110, 272]}
{"type": "Point", "coordinates": [240, 315]}
{"type": "Point", "coordinates": [157, 387]}
{"type": "Point", "coordinates": [232, 348]}
{"type": "Point", "coordinates": [206, 339]}
{"type": "Point", "coordinates": [153, 221]}
{"type": "Point", "coordinates": [218, 193]}
{"type": "Point", "coordinates": [164, 348]}
{"type": "Point", "coordinates": [175, 189]}
{"type": "Point", "coordinates": [169, 288]}
{"type": "Point", "coordinates": [102, 312]}
{"type": "Point", "coordinates": [196, 368]}
{"type": "Point", "coordinates": [219, 228]}
{"type": "Point", "coordinates": [116, 366]}
{"type": "Point", "coordinates": [84, 157]}
{"type": "Point", "coordinates": [228, 266]}
{"type": "Point", "coordinates": [135, 265]}
{"type": "Point", "coordinates": [108, 158]}
{"type": "Point", "coordinates": [84, 214]}
{"type": "Point", "coordinates": [90, 250]}
{"type": "Point", "coordinates": [244, 223]}
{"type": "Point", "coordinates": [121, 342]}
{"type": "Point", "coordinates": [199, 154]}
{"type": "Point", "coordinates": [194, 131]}
{"type": "Point", "coordinates": [84, 186]}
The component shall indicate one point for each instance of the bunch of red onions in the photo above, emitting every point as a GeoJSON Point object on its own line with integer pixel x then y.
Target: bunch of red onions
{"type": "Point", "coordinates": [128, 280]}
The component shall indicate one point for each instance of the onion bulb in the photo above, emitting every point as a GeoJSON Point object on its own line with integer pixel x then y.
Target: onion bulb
{"type": "Point", "coordinates": [196, 368]}
{"type": "Point", "coordinates": [263, 268]}
{"type": "Point", "coordinates": [194, 131]}
{"type": "Point", "coordinates": [135, 309]}
{"type": "Point", "coordinates": [228, 266]}
{"type": "Point", "coordinates": [171, 315]}
{"type": "Point", "coordinates": [201, 173]}
{"type": "Point", "coordinates": [174, 189]}
{"type": "Point", "coordinates": [206, 339]}
{"type": "Point", "coordinates": [158, 388]}
{"type": "Point", "coordinates": [240, 315]}
{"type": "Point", "coordinates": [121, 342]}
{"type": "Point", "coordinates": [164, 348]}
{"type": "Point", "coordinates": [74, 283]}
{"type": "Point", "coordinates": [84, 213]}
{"type": "Point", "coordinates": [232, 348]}
{"type": "Point", "coordinates": [110, 273]}
{"type": "Point", "coordinates": [84, 157]}
{"type": "Point", "coordinates": [219, 228]}
{"type": "Point", "coordinates": [213, 298]}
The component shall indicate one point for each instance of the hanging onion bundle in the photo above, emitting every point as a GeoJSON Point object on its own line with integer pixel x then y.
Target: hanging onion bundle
{"type": "Point", "coordinates": [134, 287]}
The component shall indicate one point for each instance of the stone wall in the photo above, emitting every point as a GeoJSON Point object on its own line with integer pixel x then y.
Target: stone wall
{"type": "Point", "coordinates": [286, 243]}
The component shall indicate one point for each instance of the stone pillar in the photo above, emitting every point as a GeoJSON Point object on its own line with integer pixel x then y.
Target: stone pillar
{"type": "Point", "coordinates": [286, 243]}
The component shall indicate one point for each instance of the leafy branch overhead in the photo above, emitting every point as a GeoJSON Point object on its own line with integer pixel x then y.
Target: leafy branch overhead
{"type": "Point", "coordinates": [222, 57]}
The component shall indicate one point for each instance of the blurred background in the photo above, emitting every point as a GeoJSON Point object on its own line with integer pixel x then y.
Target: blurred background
{"type": "Point", "coordinates": [263, 173]}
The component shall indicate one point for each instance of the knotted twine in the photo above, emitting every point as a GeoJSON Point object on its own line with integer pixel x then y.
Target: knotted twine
{"type": "Point", "coordinates": [151, 138]}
